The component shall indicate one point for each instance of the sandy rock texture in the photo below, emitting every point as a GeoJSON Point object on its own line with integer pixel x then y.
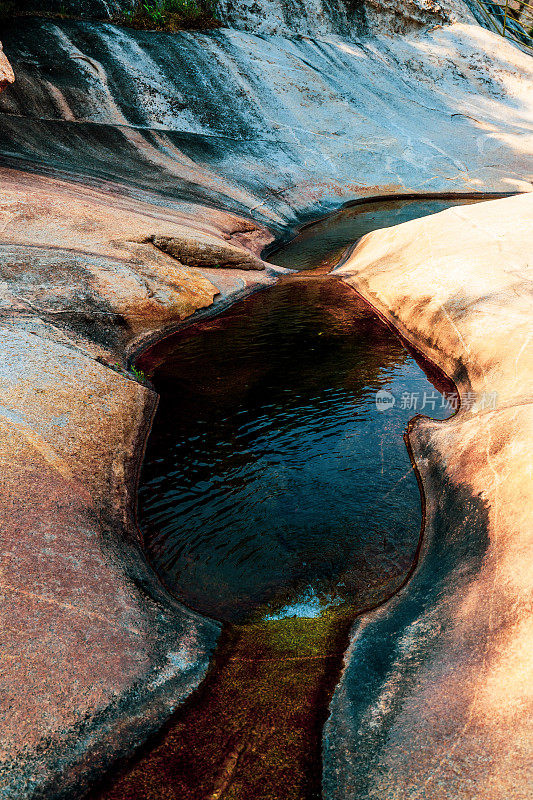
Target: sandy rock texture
{"type": "Point", "coordinates": [95, 653]}
{"type": "Point", "coordinates": [436, 696]}
{"type": "Point", "coordinates": [6, 71]}
{"type": "Point", "coordinates": [112, 140]}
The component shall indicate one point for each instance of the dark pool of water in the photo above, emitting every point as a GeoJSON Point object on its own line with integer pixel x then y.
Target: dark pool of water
{"type": "Point", "coordinates": [276, 495]}
{"type": "Point", "coordinates": [271, 475]}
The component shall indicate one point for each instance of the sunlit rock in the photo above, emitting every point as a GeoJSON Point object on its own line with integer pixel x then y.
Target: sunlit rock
{"type": "Point", "coordinates": [112, 139]}
{"type": "Point", "coordinates": [435, 699]}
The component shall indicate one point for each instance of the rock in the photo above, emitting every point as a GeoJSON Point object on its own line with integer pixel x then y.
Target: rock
{"type": "Point", "coordinates": [346, 18]}
{"type": "Point", "coordinates": [91, 270]}
{"type": "Point", "coordinates": [95, 653]}
{"type": "Point", "coordinates": [312, 125]}
{"type": "Point", "coordinates": [435, 699]}
{"type": "Point", "coordinates": [6, 72]}
{"type": "Point", "coordinates": [112, 138]}
{"type": "Point", "coordinates": [203, 251]}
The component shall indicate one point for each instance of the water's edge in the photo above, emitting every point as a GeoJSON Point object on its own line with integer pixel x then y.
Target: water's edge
{"type": "Point", "coordinates": [225, 642]}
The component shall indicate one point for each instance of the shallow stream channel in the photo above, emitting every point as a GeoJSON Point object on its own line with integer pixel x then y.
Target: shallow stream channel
{"type": "Point", "coordinates": [278, 496]}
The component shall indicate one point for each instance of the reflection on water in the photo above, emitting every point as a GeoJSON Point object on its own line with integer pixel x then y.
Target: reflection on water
{"type": "Point", "coordinates": [319, 246]}
{"type": "Point", "coordinates": [271, 475]}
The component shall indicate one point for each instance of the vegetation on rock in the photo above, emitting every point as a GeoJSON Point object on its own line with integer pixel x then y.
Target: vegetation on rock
{"type": "Point", "coordinates": [172, 15]}
{"type": "Point", "coordinates": [160, 15]}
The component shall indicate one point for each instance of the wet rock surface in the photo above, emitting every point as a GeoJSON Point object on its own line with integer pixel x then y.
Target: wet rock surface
{"type": "Point", "coordinates": [110, 137]}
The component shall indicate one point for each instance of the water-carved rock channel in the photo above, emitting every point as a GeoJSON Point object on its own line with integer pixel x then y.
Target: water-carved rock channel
{"type": "Point", "coordinates": [278, 496]}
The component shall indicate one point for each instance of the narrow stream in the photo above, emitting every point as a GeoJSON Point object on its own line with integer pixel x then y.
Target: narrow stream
{"type": "Point", "coordinates": [278, 496]}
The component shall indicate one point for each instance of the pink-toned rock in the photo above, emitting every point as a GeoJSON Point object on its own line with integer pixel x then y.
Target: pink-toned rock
{"type": "Point", "coordinates": [6, 71]}
{"type": "Point", "coordinates": [92, 271]}
{"type": "Point", "coordinates": [95, 653]}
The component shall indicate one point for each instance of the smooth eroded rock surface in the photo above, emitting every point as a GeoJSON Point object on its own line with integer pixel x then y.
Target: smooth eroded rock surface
{"type": "Point", "coordinates": [112, 139]}
{"type": "Point", "coordinates": [269, 128]}
{"type": "Point", "coordinates": [435, 700]}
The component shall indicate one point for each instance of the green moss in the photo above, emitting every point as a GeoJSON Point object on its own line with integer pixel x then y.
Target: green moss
{"type": "Point", "coordinates": [302, 637]}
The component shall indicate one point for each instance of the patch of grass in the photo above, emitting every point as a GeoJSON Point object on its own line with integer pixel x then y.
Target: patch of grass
{"type": "Point", "coordinates": [139, 374]}
{"type": "Point", "coordinates": [172, 15]}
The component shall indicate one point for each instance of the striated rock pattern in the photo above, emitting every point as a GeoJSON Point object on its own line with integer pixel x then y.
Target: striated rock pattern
{"type": "Point", "coordinates": [112, 141]}
{"type": "Point", "coordinates": [347, 18]}
{"type": "Point", "coordinates": [268, 127]}
{"type": "Point", "coordinates": [435, 700]}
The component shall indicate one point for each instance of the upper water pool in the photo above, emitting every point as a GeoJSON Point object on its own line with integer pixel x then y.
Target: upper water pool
{"type": "Point", "coordinates": [319, 245]}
